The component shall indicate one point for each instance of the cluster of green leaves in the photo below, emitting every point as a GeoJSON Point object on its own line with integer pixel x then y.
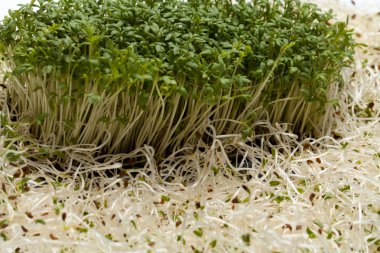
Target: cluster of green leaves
{"type": "Point", "coordinates": [203, 50]}
{"type": "Point", "coordinates": [211, 44]}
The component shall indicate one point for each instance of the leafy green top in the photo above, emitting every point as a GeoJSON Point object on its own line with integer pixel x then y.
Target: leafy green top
{"type": "Point", "coordinates": [204, 48]}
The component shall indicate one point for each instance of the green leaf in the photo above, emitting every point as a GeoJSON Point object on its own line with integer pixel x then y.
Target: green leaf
{"type": "Point", "coordinates": [95, 62]}
{"type": "Point", "coordinates": [165, 198]}
{"type": "Point", "coordinates": [182, 91]}
{"type": "Point", "coordinates": [345, 188]}
{"type": "Point", "coordinates": [48, 69]}
{"type": "Point", "coordinates": [168, 80]}
{"type": "Point", "coordinates": [22, 68]}
{"type": "Point", "coordinates": [198, 232]}
{"type": "Point", "coordinates": [12, 156]}
{"type": "Point", "coordinates": [143, 99]}
{"type": "Point", "coordinates": [328, 195]}
{"type": "Point", "coordinates": [293, 70]}
{"type": "Point", "coordinates": [192, 65]}
{"type": "Point", "coordinates": [40, 221]}
{"type": "Point", "coordinates": [82, 230]}
{"type": "Point", "coordinates": [3, 236]}
{"type": "Point", "coordinates": [270, 63]}
{"type": "Point", "coordinates": [207, 52]}
{"type": "Point", "coordinates": [4, 223]}
{"type": "Point", "coordinates": [247, 132]}
{"type": "Point", "coordinates": [330, 235]}
{"type": "Point", "coordinates": [311, 234]}
{"type": "Point", "coordinates": [215, 170]}
{"type": "Point", "coordinates": [93, 98]}
{"type": "Point", "coordinates": [319, 224]}
{"type": "Point", "coordinates": [246, 239]}
{"type": "Point", "coordinates": [41, 118]}
{"type": "Point", "coordinates": [213, 243]}
{"type": "Point", "coordinates": [300, 190]}
{"type": "Point", "coordinates": [226, 82]}
{"type": "Point", "coordinates": [274, 183]}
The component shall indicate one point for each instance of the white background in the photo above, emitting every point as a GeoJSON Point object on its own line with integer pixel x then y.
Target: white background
{"type": "Point", "coordinates": [365, 5]}
{"type": "Point", "coordinates": [5, 5]}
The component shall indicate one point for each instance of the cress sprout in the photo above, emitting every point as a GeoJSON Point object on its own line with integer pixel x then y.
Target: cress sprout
{"type": "Point", "coordinates": [160, 72]}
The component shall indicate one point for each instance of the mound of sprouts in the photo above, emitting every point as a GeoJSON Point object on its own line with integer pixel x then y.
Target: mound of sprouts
{"type": "Point", "coordinates": [131, 73]}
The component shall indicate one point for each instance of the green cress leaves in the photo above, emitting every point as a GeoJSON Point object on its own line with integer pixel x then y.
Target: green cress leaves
{"type": "Point", "coordinates": [120, 54]}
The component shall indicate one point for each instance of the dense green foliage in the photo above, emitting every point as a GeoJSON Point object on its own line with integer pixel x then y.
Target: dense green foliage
{"type": "Point", "coordinates": [156, 72]}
